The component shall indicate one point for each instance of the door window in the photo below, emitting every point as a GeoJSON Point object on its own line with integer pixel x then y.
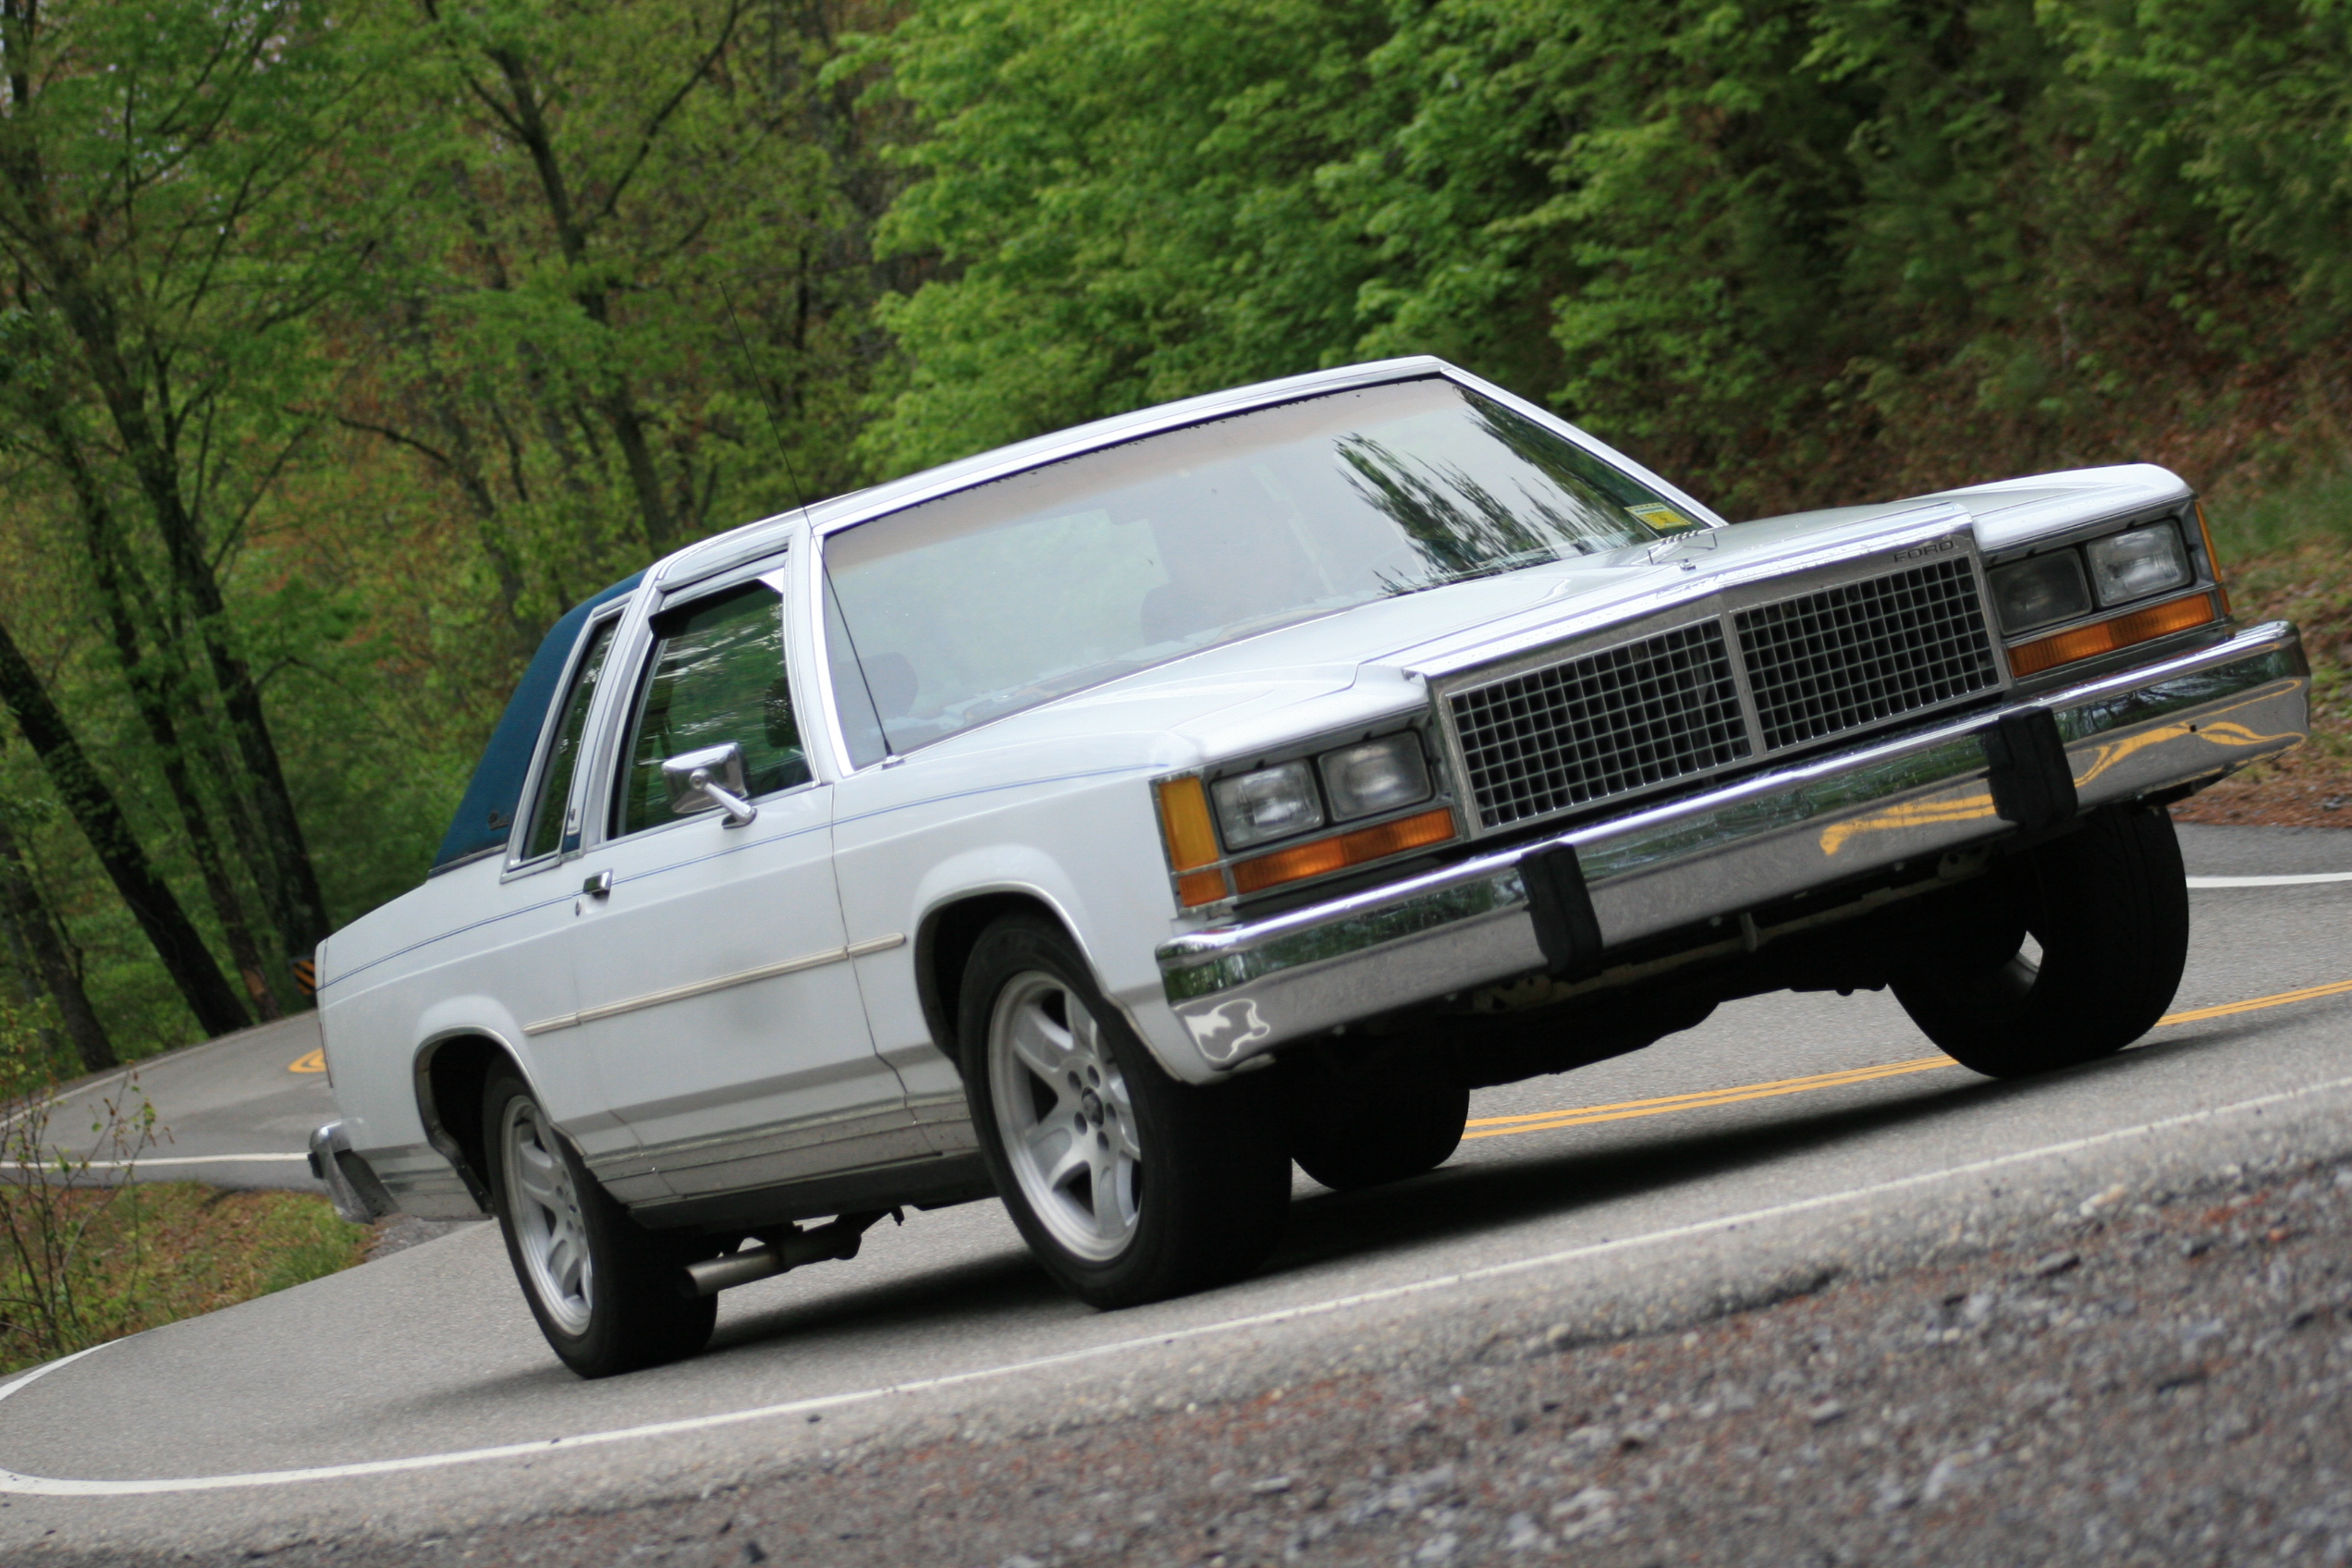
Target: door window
{"type": "Point", "coordinates": [717, 675]}
{"type": "Point", "coordinates": [546, 833]}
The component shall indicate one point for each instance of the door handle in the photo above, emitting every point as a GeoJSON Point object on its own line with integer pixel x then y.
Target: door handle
{"type": "Point", "coordinates": [598, 886]}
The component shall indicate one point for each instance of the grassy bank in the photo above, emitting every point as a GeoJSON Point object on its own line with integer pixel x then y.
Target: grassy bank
{"type": "Point", "coordinates": [150, 1255]}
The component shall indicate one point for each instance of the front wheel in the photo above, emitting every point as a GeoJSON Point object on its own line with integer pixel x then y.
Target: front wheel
{"type": "Point", "coordinates": [603, 1289]}
{"type": "Point", "coordinates": [2109, 905]}
{"type": "Point", "coordinates": [1128, 1185]}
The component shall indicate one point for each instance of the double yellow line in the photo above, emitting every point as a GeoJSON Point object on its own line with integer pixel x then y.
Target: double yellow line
{"type": "Point", "coordinates": [1580, 1116]}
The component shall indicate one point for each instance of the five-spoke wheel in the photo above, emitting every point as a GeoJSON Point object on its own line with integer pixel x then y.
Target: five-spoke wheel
{"type": "Point", "coordinates": [605, 1289]}
{"type": "Point", "coordinates": [1128, 1185]}
{"type": "Point", "coordinates": [550, 1236]}
{"type": "Point", "coordinates": [1068, 1122]}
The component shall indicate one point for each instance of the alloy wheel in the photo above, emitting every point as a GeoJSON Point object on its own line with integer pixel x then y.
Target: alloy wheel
{"type": "Point", "coordinates": [1065, 1117]}
{"type": "Point", "coordinates": [544, 1209]}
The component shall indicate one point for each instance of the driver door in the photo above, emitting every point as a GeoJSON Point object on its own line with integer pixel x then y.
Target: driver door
{"type": "Point", "coordinates": [717, 999]}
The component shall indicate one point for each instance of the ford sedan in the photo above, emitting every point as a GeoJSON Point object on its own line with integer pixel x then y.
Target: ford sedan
{"type": "Point", "coordinates": [1108, 823]}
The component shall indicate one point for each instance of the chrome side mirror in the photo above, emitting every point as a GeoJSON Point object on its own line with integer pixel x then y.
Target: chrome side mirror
{"type": "Point", "coordinates": [713, 776]}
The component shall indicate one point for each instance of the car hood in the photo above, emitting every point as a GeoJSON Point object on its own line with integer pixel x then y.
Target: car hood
{"type": "Point", "coordinates": [2010, 513]}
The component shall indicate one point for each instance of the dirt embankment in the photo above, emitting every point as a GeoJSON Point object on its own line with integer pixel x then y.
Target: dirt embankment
{"type": "Point", "coordinates": [2311, 786]}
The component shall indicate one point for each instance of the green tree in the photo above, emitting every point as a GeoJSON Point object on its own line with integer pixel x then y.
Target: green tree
{"type": "Point", "coordinates": [154, 209]}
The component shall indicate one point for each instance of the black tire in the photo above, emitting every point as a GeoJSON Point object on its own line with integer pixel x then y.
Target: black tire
{"type": "Point", "coordinates": [1128, 1185]}
{"type": "Point", "coordinates": [623, 1310]}
{"type": "Point", "coordinates": [1353, 1131]}
{"type": "Point", "coordinates": [2109, 904]}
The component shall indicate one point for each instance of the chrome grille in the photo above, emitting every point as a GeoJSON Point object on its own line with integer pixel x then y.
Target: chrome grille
{"type": "Point", "coordinates": [1658, 709]}
{"type": "Point", "coordinates": [1862, 653]}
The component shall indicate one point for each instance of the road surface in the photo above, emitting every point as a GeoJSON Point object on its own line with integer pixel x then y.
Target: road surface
{"type": "Point", "coordinates": [412, 1397]}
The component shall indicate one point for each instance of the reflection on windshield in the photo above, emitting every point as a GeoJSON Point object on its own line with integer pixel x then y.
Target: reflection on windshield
{"type": "Point", "coordinates": [953, 613]}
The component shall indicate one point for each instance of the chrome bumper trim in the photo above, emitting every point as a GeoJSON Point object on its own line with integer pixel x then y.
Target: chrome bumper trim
{"type": "Point", "coordinates": [350, 1182]}
{"type": "Point", "coordinates": [1242, 989]}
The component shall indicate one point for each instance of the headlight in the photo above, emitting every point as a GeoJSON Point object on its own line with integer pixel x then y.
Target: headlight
{"type": "Point", "coordinates": [1273, 802]}
{"type": "Point", "coordinates": [2038, 592]}
{"type": "Point", "coordinates": [2133, 565]}
{"type": "Point", "coordinates": [1377, 776]}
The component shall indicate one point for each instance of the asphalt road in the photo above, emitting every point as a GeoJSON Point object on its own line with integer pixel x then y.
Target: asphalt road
{"type": "Point", "coordinates": [412, 1397]}
{"type": "Point", "coordinates": [236, 1112]}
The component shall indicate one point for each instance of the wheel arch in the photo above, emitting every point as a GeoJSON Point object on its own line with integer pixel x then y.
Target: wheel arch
{"type": "Point", "coordinates": [451, 1073]}
{"type": "Point", "coordinates": [943, 945]}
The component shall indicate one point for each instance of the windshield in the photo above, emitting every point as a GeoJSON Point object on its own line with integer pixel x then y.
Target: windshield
{"type": "Point", "coordinates": [964, 609]}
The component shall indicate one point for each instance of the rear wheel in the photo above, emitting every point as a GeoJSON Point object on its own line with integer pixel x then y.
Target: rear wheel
{"type": "Point", "coordinates": [604, 1289]}
{"type": "Point", "coordinates": [2108, 904]}
{"type": "Point", "coordinates": [1128, 1185]}
{"type": "Point", "coordinates": [1360, 1132]}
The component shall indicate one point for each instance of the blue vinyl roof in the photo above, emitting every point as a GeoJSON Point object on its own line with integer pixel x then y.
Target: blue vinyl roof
{"type": "Point", "coordinates": [486, 817]}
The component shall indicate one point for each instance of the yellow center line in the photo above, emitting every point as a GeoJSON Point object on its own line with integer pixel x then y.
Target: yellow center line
{"type": "Point", "coordinates": [1581, 1116]}
{"type": "Point", "coordinates": [315, 1063]}
{"type": "Point", "coordinates": [2334, 988]}
{"type": "Point", "coordinates": [1706, 1097]}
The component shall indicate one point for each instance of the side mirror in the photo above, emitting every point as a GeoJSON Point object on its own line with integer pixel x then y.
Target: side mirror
{"type": "Point", "coordinates": [709, 778]}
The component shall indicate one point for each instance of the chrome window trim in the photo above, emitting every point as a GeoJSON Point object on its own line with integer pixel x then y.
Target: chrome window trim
{"type": "Point", "coordinates": [776, 577]}
{"type": "Point", "coordinates": [516, 865]}
{"type": "Point", "coordinates": [820, 652]}
{"type": "Point", "coordinates": [750, 566]}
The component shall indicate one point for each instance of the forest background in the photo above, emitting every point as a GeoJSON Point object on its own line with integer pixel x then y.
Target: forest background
{"type": "Point", "coordinates": [345, 344]}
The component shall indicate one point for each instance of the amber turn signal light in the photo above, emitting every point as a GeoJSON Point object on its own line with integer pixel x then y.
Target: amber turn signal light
{"type": "Point", "coordinates": [1343, 850]}
{"type": "Point", "coordinates": [2087, 642]}
{"type": "Point", "coordinates": [2212, 558]}
{"type": "Point", "coordinates": [1192, 842]}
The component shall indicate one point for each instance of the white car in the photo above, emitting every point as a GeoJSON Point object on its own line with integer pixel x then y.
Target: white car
{"type": "Point", "coordinates": [1107, 822]}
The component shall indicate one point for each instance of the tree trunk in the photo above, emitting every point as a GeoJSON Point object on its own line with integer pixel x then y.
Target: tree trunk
{"type": "Point", "coordinates": [28, 920]}
{"type": "Point", "coordinates": [91, 316]}
{"type": "Point", "coordinates": [94, 810]}
{"type": "Point", "coordinates": [153, 700]}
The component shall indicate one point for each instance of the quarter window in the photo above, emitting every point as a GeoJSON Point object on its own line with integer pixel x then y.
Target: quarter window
{"type": "Point", "coordinates": [717, 675]}
{"type": "Point", "coordinates": [546, 834]}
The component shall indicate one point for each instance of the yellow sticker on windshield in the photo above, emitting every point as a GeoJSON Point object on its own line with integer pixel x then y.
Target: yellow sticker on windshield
{"type": "Point", "coordinates": [1661, 517]}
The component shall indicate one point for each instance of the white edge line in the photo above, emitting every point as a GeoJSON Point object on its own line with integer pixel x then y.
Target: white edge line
{"type": "Point", "coordinates": [2270, 881]}
{"type": "Point", "coordinates": [42, 1486]}
{"type": "Point", "coordinates": [174, 1159]}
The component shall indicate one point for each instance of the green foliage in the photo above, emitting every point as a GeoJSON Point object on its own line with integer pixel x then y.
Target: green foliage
{"type": "Point", "coordinates": [57, 1196]}
{"type": "Point", "coordinates": [305, 1243]}
{"type": "Point", "coordinates": [441, 316]}
{"type": "Point", "coordinates": [1127, 196]}
{"type": "Point", "coordinates": [1792, 250]}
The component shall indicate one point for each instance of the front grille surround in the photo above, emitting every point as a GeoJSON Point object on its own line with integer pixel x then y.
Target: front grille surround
{"type": "Point", "coordinates": [1761, 673]}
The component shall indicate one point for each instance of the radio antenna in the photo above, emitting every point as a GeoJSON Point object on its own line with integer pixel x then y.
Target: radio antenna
{"type": "Point", "coordinates": [774, 426]}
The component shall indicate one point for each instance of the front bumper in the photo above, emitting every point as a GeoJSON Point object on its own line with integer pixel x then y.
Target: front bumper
{"type": "Point", "coordinates": [1242, 991]}
{"type": "Point", "coordinates": [359, 1196]}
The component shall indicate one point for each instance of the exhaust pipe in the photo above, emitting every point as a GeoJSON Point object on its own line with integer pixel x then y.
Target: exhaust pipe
{"type": "Point", "coordinates": [769, 1258]}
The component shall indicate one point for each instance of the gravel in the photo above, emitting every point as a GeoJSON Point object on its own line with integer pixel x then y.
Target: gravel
{"type": "Point", "coordinates": [2140, 1378]}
